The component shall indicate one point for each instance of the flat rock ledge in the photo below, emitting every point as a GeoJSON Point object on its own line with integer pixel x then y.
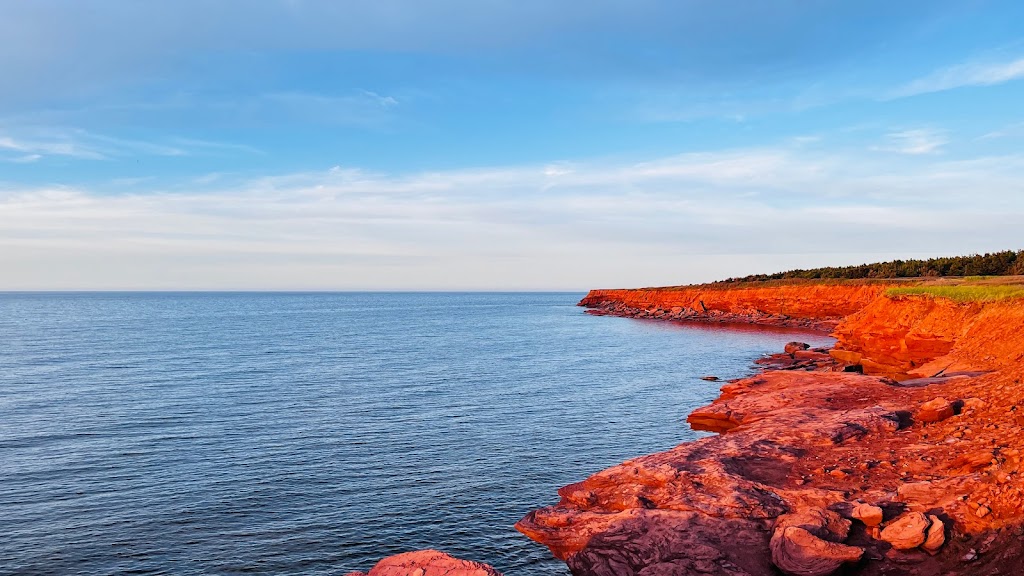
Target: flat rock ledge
{"type": "Point", "coordinates": [813, 472]}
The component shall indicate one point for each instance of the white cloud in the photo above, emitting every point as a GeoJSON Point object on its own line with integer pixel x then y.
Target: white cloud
{"type": "Point", "coordinates": [915, 142]}
{"type": "Point", "coordinates": [50, 145]}
{"type": "Point", "coordinates": [33, 143]}
{"type": "Point", "coordinates": [691, 217]}
{"type": "Point", "coordinates": [1009, 130]}
{"type": "Point", "coordinates": [26, 159]}
{"type": "Point", "coordinates": [963, 75]}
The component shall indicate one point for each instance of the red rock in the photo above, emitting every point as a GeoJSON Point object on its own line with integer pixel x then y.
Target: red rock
{"type": "Point", "coordinates": [798, 552]}
{"type": "Point", "coordinates": [907, 532]}
{"type": "Point", "coordinates": [822, 523]}
{"type": "Point", "coordinates": [846, 356]}
{"type": "Point", "coordinates": [811, 355]}
{"type": "Point", "coordinates": [794, 347]}
{"type": "Point", "coordinates": [934, 410]}
{"type": "Point", "coordinates": [974, 404]}
{"type": "Point", "coordinates": [935, 537]}
{"type": "Point", "coordinates": [713, 506]}
{"type": "Point", "coordinates": [814, 306]}
{"type": "Point", "coordinates": [868, 514]}
{"type": "Point", "coordinates": [427, 563]}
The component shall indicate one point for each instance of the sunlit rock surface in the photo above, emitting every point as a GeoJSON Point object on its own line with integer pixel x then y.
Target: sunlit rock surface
{"type": "Point", "coordinates": [921, 456]}
{"type": "Point", "coordinates": [427, 563]}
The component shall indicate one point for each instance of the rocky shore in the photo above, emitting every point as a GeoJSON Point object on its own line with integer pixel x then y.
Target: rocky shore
{"type": "Point", "coordinates": [896, 452]}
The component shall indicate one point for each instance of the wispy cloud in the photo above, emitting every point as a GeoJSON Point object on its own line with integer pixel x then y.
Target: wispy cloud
{"type": "Point", "coordinates": [51, 145]}
{"type": "Point", "coordinates": [362, 108]}
{"type": "Point", "coordinates": [1013, 129]}
{"type": "Point", "coordinates": [34, 143]}
{"type": "Point", "coordinates": [26, 159]}
{"type": "Point", "coordinates": [962, 75]}
{"type": "Point", "coordinates": [198, 145]}
{"type": "Point", "coordinates": [709, 214]}
{"type": "Point", "coordinates": [915, 142]}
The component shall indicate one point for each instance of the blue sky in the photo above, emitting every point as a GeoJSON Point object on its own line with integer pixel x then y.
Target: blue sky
{"type": "Point", "coordinates": [486, 144]}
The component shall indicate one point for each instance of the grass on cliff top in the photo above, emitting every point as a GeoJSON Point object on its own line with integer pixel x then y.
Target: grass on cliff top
{"type": "Point", "coordinates": [964, 293]}
{"type": "Point", "coordinates": [725, 286]}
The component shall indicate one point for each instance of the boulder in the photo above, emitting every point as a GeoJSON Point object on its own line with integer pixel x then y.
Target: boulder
{"type": "Point", "coordinates": [868, 514]}
{"type": "Point", "coordinates": [427, 563]}
{"type": "Point", "coordinates": [935, 410]}
{"type": "Point", "coordinates": [822, 523]}
{"type": "Point", "coordinates": [797, 552]}
{"type": "Point", "coordinates": [793, 347]}
{"type": "Point", "coordinates": [974, 404]}
{"type": "Point", "coordinates": [908, 531]}
{"type": "Point", "coordinates": [935, 536]}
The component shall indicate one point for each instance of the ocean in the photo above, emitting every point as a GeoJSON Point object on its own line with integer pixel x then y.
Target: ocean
{"type": "Point", "coordinates": [315, 433]}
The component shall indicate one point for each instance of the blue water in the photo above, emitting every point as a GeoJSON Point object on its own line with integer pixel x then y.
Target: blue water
{"type": "Point", "coordinates": [317, 433]}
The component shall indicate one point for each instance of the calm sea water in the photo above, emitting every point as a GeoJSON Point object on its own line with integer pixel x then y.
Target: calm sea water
{"type": "Point", "coordinates": [316, 433]}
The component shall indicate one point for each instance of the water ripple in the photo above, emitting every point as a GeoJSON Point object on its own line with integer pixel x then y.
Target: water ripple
{"type": "Point", "coordinates": [315, 433]}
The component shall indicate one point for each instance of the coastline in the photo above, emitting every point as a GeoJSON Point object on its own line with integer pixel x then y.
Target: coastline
{"type": "Point", "coordinates": [817, 306]}
{"type": "Point", "coordinates": [800, 451]}
{"type": "Point", "coordinates": [895, 452]}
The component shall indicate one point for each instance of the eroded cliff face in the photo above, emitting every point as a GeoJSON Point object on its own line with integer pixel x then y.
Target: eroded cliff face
{"type": "Point", "coordinates": [909, 337]}
{"type": "Point", "coordinates": [913, 468]}
{"type": "Point", "coordinates": [813, 306]}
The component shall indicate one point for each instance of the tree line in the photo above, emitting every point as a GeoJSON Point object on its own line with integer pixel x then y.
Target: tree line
{"type": "Point", "coordinates": [1006, 263]}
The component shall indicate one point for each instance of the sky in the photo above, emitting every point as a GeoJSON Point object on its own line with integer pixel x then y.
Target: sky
{"type": "Point", "coordinates": [500, 145]}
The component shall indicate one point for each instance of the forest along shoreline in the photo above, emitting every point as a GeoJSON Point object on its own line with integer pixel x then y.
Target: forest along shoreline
{"type": "Point", "coordinates": [897, 451]}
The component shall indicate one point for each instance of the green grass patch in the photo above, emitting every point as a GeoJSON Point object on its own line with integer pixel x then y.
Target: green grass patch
{"type": "Point", "coordinates": [981, 293]}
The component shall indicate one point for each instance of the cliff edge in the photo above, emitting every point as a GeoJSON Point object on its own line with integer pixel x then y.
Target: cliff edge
{"type": "Point", "coordinates": [820, 306]}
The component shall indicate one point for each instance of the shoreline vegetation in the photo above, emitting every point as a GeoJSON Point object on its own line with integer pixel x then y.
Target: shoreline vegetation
{"type": "Point", "coordinates": [1004, 263]}
{"type": "Point", "coordinates": [1005, 267]}
{"type": "Point", "coordinates": [963, 293]}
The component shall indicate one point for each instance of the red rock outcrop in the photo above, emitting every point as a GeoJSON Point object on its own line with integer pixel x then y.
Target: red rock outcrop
{"type": "Point", "coordinates": [427, 563]}
{"type": "Point", "coordinates": [868, 514]}
{"type": "Point", "coordinates": [798, 552]}
{"type": "Point", "coordinates": [822, 442]}
{"type": "Point", "coordinates": [908, 531]}
{"type": "Point", "coordinates": [803, 305]}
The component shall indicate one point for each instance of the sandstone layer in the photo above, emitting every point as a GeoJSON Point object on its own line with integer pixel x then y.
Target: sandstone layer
{"type": "Point", "coordinates": [899, 452]}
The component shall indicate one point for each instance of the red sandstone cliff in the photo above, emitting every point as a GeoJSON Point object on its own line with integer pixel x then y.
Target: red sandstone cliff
{"type": "Point", "coordinates": [807, 305]}
{"type": "Point", "coordinates": [914, 468]}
